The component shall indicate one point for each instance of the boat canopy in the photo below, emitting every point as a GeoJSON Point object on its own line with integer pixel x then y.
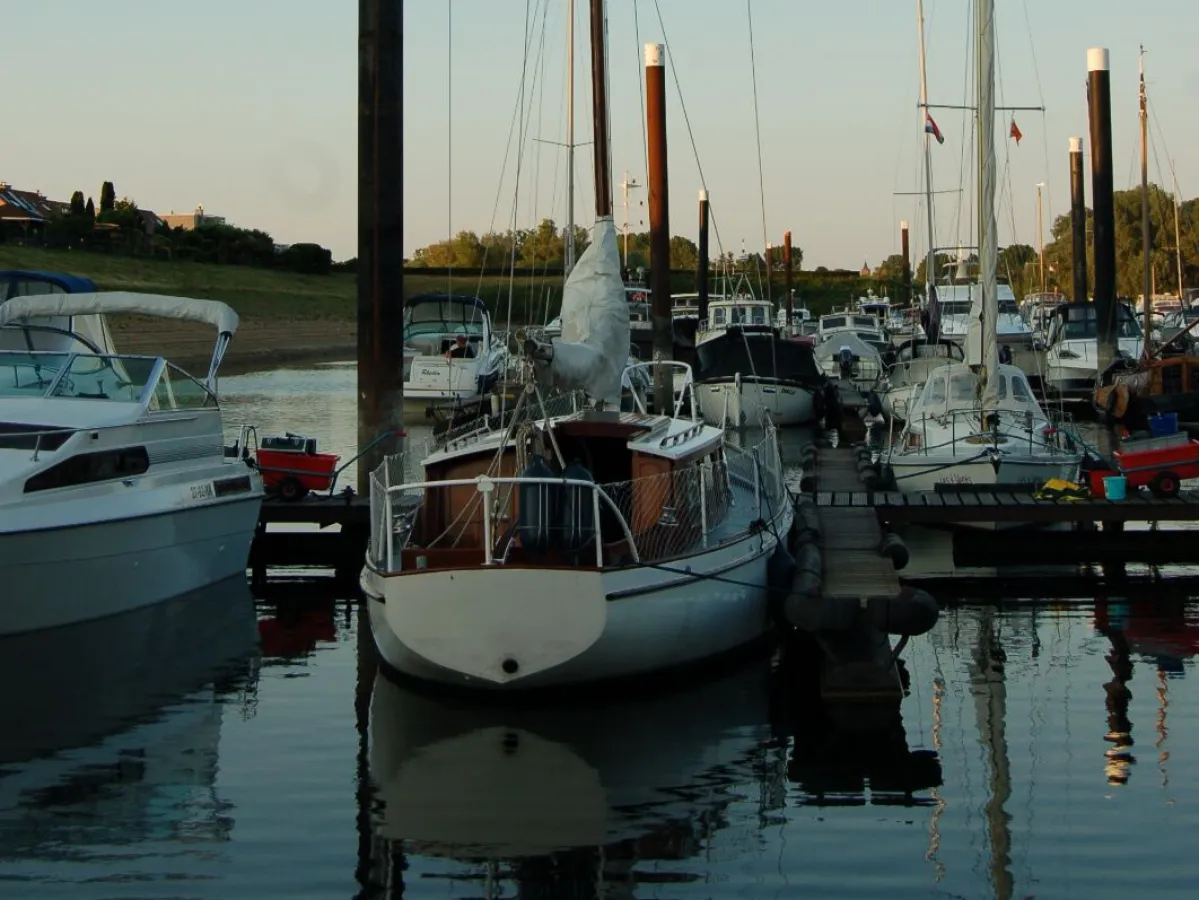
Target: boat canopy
{"type": "Point", "coordinates": [956, 388]}
{"type": "Point", "coordinates": [211, 312]}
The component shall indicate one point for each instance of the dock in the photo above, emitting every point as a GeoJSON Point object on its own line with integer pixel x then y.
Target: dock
{"type": "Point", "coordinates": [321, 531]}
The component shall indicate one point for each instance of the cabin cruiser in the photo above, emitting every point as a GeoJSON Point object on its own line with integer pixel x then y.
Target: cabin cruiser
{"type": "Point", "coordinates": [867, 328]}
{"type": "Point", "coordinates": [748, 371]}
{"type": "Point", "coordinates": [851, 359]}
{"type": "Point", "coordinates": [1072, 357]}
{"type": "Point", "coordinates": [953, 437]}
{"type": "Point", "coordinates": [957, 292]}
{"type": "Point", "coordinates": [452, 358]}
{"type": "Point", "coordinates": [52, 332]}
{"type": "Point", "coordinates": [914, 361]}
{"type": "Point", "coordinates": [559, 550]}
{"type": "Point", "coordinates": [113, 471]}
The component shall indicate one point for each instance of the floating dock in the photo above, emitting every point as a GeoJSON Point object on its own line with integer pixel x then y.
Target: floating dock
{"type": "Point", "coordinates": [318, 532]}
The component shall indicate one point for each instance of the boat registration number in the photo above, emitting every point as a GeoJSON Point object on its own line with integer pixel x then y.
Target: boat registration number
{"type": "Point", "coordinates": [202, 491]}
{"type": "Point", "coordinates": [956, 479]}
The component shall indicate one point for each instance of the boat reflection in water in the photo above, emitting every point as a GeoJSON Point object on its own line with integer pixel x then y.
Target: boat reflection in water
{"type": "Point", "coordinates": [582, 795]}
{"type": "Point", "coordinates": [112, 729]}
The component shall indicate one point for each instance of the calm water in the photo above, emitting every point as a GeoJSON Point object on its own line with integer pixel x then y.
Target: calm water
{"type": "Point", "coordinates": [222, 747]}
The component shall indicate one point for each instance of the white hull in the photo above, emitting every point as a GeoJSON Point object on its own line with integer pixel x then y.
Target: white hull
{"type": "Point", "coordinates": [566, 627]}
{"type": "Point", "coordinates": [749, 402]}
{"type": "Point", "coordinates": [75, 573]}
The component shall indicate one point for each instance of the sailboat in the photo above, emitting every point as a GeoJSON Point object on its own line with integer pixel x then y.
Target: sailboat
{"type": "Point", "coordinates": [977, 421]}
{"type": "Point", "coordinates": [559, 550]}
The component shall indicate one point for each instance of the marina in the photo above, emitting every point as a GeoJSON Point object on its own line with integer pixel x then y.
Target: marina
{"type": "Point", "coordinates": [607, 563]}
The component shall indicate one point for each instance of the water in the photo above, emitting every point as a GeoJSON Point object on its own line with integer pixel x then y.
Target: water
{"type": "Point", "coordinates": [219, 747]}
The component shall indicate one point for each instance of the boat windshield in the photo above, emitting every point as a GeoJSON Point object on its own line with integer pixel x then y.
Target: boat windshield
{"type": "Point", "coordinates": [92, 377]}
{"type": "Point", "coordinates": [961, 391]}
{"type": "Point", "coordinates": [433, 317]}
{"type": "Point", "coordinates": [1081, 323]}
{"type": "Point", "coordinates": [1008, 307]}
{"type": "Point", "coordinates": [27, 374]}
{"type": "Point", "coordinates": [955, 308]}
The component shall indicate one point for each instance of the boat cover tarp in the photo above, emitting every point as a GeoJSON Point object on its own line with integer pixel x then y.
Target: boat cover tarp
{"type": "Point", "coordinates": [594, 347]}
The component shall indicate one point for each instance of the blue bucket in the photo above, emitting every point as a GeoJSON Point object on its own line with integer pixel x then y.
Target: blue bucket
{"type": "Point", "coordinates": [1113, 487]}
{"type": "Point", "coordinates": [1163, 424]}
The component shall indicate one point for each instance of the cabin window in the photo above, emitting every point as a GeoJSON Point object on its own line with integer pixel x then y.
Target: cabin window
{"type": "Point", "coordinates": [718, 317]}
{"type": "Point", "coordinates": [936, 391]}
{"type": "Point", "coordinates": [1021, 391]}
{"type": "Point", "coordinates": [759, 315]}
{"type": "Point", "coordinates": [963, 388]}
{"type": "Point", "coordinates": [88, 468]}
{"type": "Point", "coordinates": [1172, 380]}
{"type": "Point", "coordinates": [834, 322]}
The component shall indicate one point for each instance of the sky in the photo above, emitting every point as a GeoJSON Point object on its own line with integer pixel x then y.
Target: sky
{"type": "Point", "coordinates": [249, 109]}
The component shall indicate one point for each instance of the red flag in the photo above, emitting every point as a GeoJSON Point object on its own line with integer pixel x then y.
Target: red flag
{"type": "Point", "coordinates": [1015, 132]}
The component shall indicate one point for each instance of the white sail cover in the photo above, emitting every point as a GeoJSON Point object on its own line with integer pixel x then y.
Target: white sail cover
{"type": "Point", "coordinates": [212, 312]}
{"type": "Point", "coordinates": [593, 350]}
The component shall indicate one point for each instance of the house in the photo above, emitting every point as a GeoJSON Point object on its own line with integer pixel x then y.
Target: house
{"type": "Point", "coordinates": [192, 220]}
{"type": "Point", "coordinates": [25, 212]}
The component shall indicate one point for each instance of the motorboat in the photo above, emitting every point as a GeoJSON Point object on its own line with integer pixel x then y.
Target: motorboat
{"type": "Point", "coordinates": [113, 470]}
{"type": "Point", "coordinates": [560, 550]}
{"type": "Point", "coordinates": [52, 332]}
{"type": "Point", "coordinates": [1072, 355]}
{"type": "Point", "coordinates": [914, 361]}
{"type": "Point", "coordinates": [748, 368]}
{"type": "Point", "coordinates": [958, 293]}
{"type": "Point", "coordinates": [866, 327]}
{"type": "Point", "coordinates": [850, 359]}
{"type": "Point", "coordinates": [952, 437]}
{"type": "Point", "coordinates": [453, 360]}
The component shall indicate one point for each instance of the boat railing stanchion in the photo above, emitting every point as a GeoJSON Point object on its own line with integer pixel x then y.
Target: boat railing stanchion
{"type": "Point", "coordinates": [599, 537]}
{"type": "Point", "coordinates": [703, 501]}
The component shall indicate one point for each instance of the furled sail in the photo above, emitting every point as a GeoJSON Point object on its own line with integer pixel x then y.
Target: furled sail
{"type": "Point", "coordinates": [593, 350]}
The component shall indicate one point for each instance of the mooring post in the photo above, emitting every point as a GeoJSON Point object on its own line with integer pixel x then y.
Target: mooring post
{"type": "Point", "coordinates": [906, 288]}
{"type": "Point", "coordinates": [789, 280]}
{"type": "Point", "coordinates": [1078, 222]}
{"type": "Point", "coordinates": [380, 234]}
{"type": "Point", "coordinates": [701, 273]}
{"type": "Point", "coordinates": [1103, 215]}
{"type": "Point", "coordinates": [659, 222]}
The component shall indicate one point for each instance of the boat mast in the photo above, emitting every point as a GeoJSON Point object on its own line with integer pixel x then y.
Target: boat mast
{"type": "Point", "coordinates": [987, 246]}
{"type": "Point", "coordinates": [1147, 286]}
{"type": "Point", "coordinates": [930, 275]}
{"type": "Point", "coordinates": [569, 262]}
{"type": "Point", "coordinates": [599, 109]}
{"type": "Point", "coordinates": [1177, 229]}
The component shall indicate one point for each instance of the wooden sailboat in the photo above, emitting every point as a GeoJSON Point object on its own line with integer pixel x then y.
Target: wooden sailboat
{"type": "Point", "coordinates": [566, 549]}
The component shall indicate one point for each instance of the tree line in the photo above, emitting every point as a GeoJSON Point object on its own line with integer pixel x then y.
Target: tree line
{"type": "Point", "coordinates": [119, 226]}
{"type": "Point", "coordinates": [544, 249]}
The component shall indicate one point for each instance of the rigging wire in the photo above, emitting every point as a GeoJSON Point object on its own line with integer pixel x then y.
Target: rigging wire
{"type": "Point", "coordinates": [449, 143]}
{"type": "Point", "coordinates": [641, 86]}
{"type": "Point", "coordinates": [753, 70]}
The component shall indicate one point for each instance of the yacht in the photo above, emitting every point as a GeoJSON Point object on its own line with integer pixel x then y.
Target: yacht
{"type": "Point", "coordinates": [453, 359]}
{"type": "Point", "coordinates": [958, 291]}
{"type": "Point", "coordinates": [851, 359]}
{"type": "Point", "coordinates": [866, 327]}
{"type": "Point", "coordinates": [113, 471]}
{"type": "Point", "coordinates": [1072, 356]}
{"type": "Point", "coordinates": [748, 369]}
{"type": "Point", "coordinates": [565, 549]}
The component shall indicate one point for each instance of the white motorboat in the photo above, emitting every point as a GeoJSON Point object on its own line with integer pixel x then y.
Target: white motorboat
{"type": "Point", "coordinates": [749, 372]}
{"type": "Point", "coordinates": [951, 438]}
{"type": "Point", "coordinates": [575, 548]}
{"type": "Point", "coordinates": [977, 422]}
{"type": "Point", "coordinates": [453, 359]}
{"type": "Point", "coordinates": [959, 292]}
{"type": "Point", "coordinates": [864, 326]}
{"type": "Point", "coordinates": [113, 471]}
{"type": "Point", "coordinates": [914, 361]}
{"type": "Point", "coordinates": [851, 359]}
{"type": "Point", "coordinates": [1072, 356]}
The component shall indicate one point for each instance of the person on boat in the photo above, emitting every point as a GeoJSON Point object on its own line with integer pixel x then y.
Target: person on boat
{"type": "Point", "coordinates": [460, 350]}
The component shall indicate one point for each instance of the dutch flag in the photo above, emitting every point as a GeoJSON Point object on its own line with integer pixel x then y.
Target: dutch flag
{"type": "Point", "coordinates": [931, 128]}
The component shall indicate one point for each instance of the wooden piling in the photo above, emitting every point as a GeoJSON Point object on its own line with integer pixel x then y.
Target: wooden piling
{"type": "Point", "coordinates": [659, 220]}
{"type": "Point", "coordinates": [1078, 222]}
{"type": "Point", "coordinates": [789, 283]}
{"type": "Point", "coordinates": [1099, 102]}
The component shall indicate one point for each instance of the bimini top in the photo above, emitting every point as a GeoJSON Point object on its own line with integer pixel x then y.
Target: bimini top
{"type": "Point", "coordinates": [464, 299]}
{"type": "Point", "coordinates": [213, 312]}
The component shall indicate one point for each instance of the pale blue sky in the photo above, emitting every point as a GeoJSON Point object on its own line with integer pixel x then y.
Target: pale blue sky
{"type": "Point", "coordinates": [249, 108]}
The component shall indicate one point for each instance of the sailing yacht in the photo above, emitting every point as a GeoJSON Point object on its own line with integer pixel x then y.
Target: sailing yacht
{"type": "Point", "coordinates": [560, 550]}
{"type": "Point", "coordinates": [977, 421]}
{"type": "Point", "coordinates": [113, 471]}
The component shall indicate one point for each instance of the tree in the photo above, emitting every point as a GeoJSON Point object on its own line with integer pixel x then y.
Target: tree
{"type": "Point", "coordinates": [108, 197]}
{"type": "Point", "coordinates": [77, 207]}
{"type": "Point", "coordinates": [683, 253]}
{"type": "Point", "coordinates": [90, 209]}
{"type": "Point", "coordinates": [891, 269]}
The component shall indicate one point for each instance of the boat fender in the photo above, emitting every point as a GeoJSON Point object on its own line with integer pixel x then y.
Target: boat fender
{"type": "Point", "coordinates": [807, 560]}
{"type": "Point", "coordinates": [893, 547]}
{"type": "Point", "coordinates": [911, 612]}
{"type": "Point", "coordinates": [807, 521]}
{"type": "Point", "coordinates": [886, 477]}
{"type": "Point", "coordinates": [801, 609]}
{"type": "Point", "coordinates": [874, 405]}
{"type": "Point", "coordinates": [807, 453]}
{"type": "Point", "coordinates": [538, 508]}
{"type": "Point", "coordinates": [576, 510]}
{"type": "Point", "coordinates": [807, 482]}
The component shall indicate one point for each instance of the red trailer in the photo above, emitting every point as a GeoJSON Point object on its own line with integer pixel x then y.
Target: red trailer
{"type": "Point", "coordinates": [291, 467]}
{"type": "Point", "coordinates": [1159, 462]}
